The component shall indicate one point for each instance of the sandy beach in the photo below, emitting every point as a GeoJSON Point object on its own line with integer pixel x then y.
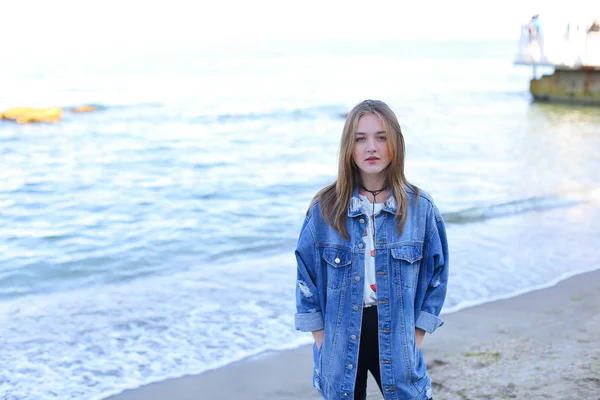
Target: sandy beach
{"type": "Point", "coordinates": [540, 345]}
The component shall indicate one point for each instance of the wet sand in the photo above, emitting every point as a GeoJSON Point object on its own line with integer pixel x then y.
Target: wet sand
{"type": "Point", "coordinates": [540, 345]}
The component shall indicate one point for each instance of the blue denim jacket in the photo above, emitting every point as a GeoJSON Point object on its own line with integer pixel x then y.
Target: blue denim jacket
{"type": "Point", "coordinates": [411, 274]}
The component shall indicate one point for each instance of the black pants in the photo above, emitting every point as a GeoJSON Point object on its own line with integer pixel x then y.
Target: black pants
{"type": "Point", "coordinates": [368, 354]}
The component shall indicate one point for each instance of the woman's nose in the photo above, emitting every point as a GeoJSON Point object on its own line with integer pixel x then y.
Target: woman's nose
{"type": "Point", "coordinates": [370, 145]}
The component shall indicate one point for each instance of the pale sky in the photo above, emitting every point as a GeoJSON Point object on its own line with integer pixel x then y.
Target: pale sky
{"type": "Point", "coordinates": [31, 24]}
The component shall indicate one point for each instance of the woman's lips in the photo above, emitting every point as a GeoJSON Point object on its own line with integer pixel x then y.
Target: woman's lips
{"type": "Point", "coordinates": [372, 160]}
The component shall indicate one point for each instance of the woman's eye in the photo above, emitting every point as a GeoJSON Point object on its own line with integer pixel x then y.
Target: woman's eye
{"type": "Point", "coordinates": [381, 138]}
{"type": "Point", "coordinates": [360, 139]}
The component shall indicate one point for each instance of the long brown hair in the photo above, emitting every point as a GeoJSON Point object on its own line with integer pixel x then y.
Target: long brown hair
{"type": "Point", "coordinates": [335, 199]}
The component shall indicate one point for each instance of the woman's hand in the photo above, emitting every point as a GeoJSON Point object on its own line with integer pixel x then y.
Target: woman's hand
{"type": "Point", "coordinates": [318, 335]}
{"type": "Point", "coordinates": [419, 335]}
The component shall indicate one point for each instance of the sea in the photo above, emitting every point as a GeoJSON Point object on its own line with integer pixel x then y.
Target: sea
{"type": "Point", "coordinates": [154, 237]}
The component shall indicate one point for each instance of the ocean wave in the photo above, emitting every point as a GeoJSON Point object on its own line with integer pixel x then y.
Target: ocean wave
{"type": "Point", "coordinates": [521, 206]}
{"type": "Point", "coordinates": [312, 112]}
{"type": "Point", "coordinates": [168, 111]}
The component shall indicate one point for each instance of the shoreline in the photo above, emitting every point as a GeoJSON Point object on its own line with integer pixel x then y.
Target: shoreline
{"type": "Point", "coordinates": [541, 344]}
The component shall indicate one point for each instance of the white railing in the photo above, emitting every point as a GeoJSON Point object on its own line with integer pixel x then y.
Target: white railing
{"type": "Point", "coordinates": [574, 49]}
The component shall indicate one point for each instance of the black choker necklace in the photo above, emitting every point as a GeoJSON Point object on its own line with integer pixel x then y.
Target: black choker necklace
{"type": "Point", "coordinates": [374, 193]}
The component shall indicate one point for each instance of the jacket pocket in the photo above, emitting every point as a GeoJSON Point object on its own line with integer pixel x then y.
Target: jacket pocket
{"type": "Point", "coordinates": [406, 261]}
{"type": "Point", "coordinates": [338, 262]}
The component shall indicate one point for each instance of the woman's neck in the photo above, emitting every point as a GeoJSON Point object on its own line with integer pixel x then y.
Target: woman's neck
{"type": "Point", "coordinates": [376, 191]}
{"type": "Point", "coordinates": [372, 183]}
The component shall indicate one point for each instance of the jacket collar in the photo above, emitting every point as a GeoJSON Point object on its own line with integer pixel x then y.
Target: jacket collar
{"type": "Point", "coordinates": [355, 208]}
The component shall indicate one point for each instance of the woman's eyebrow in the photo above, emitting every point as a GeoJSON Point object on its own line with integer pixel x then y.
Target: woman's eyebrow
{"type": "Point", "coordinates": [376, 133]}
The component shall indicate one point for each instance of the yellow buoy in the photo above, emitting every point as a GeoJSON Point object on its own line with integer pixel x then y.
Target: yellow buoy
{"type": "Point", "coordinates": [24, 115]}
{"type": "Point", "coordinates": [86, 108]}
{"type": "Point", "coordinates": [41, 115]}
{"type": "Point", "coordinates": [16, 112]}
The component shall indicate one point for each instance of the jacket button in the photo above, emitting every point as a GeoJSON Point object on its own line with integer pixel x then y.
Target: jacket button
{"type": "Point", "coordinates": [357, 278]}
{"type": "Point", "coordinates": [355, 308]}
{"type": "Point", "coordinates": [353, 337]}
{"type": "Point", "coordinates": [360, 245]}
{"type": "Point", "coordinates": [350, 366]}
{"type": "Point", "coordinates": [362, 221]}
{"type": "Point", "coordinates": [337, 260]}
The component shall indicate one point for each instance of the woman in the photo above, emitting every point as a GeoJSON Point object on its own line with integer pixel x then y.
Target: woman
{"type": "Point", "coordinates": [372, 267]}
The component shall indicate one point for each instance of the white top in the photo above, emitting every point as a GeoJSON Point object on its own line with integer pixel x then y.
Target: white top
{"type": "Point", "coordinates": [370, 296]}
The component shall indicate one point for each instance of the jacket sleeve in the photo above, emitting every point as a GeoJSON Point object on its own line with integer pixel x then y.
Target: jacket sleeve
{"type": "Point", "coordinates": [436, 257]}
{"type": "Point", "coordinates": [309, 316]}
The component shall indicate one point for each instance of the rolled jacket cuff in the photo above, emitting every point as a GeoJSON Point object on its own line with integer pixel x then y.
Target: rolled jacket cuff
{"type": "Point", "coordinates": [309, 322]}
{"type": "Point", "coordinates": [428, 322]}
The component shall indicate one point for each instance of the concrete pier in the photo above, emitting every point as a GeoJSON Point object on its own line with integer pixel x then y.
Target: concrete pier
{"type": "Point", "coordinates": [568, 85]}
{"type": "Point", "coordinates": [576, 62]}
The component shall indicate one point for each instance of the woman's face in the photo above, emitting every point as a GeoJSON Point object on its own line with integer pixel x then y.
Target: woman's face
{"type": "Point", "coordinates": [371, 154]}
